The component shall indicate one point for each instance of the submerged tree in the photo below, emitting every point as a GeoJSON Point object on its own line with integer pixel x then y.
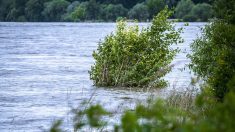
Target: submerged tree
{"type": "Point", "coordinates": [136, 58]}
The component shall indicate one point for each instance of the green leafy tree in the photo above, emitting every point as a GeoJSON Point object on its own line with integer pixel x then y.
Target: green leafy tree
{"type": "Point", "coordinates": [80, 13]}
{"type": "Point", "coordinates": [12, 15]}
{"type": "Point", "coordinates": [70, 12]}
{"type": "Point", "coordinates": [15, 10]}
{"type": "Point", "coordinates": [213, 54]}
{"type": "Point", "coordinates": [33, 10]}
{"type": "Point", "coordinates": [126, 3]}
{"type": "Point", "coordinates": [183, 8]}
{"type": "Point", "coordinates": [155, 6]}
{"type": "Point", "coordinates": [55, 9]}
{"type": "Point", "coordinates": [202, 12]}
{"type": "Point", "coordinates": [130, 57]}
{"type": "Point", "coordinates": [225, 9]}
{"type": "Point", "coordinates": [171, 3]}
{"type": "Point", "coordinates": [139, 12]}
{"type": "Point", "coordinates": [19, 5]}
{"type": "Point", "coordinates": [73, 6]}
{"type": "Point", "coordinates": [93, 10]}
{"type": "Point", "coordinates": [4, 9]}
{"type": "Point", "coordinates": [111, 12]}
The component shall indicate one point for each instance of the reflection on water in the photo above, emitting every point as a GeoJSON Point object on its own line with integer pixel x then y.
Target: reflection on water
{"type": "Point", "coordinates": [44, 72]}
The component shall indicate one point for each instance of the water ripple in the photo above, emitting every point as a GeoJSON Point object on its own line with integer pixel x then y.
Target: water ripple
{"type": "Point", "coordinates": [44, 72]}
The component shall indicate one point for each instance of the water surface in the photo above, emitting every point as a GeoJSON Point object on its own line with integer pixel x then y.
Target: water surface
{"type": "Point", "coordinates": [44, 72]}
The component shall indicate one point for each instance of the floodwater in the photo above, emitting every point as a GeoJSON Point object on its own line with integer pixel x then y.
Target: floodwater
{"type": "Point", "coordinates": [44, 72]}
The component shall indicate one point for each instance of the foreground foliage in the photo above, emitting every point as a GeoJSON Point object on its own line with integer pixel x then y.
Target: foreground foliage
{"type": "Point", "coordinates": [135, 58]}
{"type": "Point", "coordinates": [179, 112]}
{"type": "Point", "coordinates": [160, 116]}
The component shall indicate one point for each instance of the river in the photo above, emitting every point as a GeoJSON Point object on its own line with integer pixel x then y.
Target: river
{"type": "Point", "coordinates": [44, 72]}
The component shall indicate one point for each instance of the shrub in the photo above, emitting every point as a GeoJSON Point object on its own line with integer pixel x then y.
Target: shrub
{"type": "Point", "coordinates": [213, 56]}
{"type": "Point", "coordinates": [134, 57]}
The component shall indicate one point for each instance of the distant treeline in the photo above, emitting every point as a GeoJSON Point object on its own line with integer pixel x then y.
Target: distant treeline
{"type": "Point", "coordinates": [100, 10]}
